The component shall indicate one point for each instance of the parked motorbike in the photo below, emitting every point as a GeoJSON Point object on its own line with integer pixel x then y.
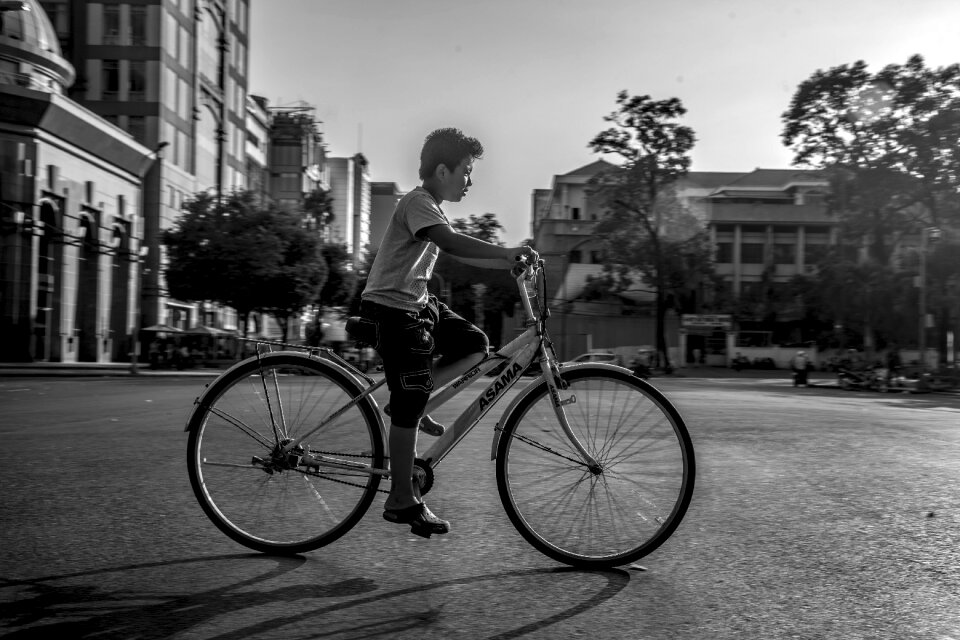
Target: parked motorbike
{"type": "Point", "coordinates": [861, 378]}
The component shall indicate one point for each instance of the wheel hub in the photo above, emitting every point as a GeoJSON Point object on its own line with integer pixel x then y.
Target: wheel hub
{"type": "Point", "coordinates": [280, 460]}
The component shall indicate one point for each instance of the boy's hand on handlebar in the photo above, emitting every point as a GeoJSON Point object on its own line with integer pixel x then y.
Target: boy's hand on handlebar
{"type": "Point", "coordinates": [525, 253]}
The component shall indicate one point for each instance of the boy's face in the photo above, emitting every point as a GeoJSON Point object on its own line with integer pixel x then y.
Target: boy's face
{"type": "Point", "coordinates": [457, 181]}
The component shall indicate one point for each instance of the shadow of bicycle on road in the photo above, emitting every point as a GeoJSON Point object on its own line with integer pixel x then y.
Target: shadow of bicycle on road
{"type": "Point", "coordinates": [252, 595]}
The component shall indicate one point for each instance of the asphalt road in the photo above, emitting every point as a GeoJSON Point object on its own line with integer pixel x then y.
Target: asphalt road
{"type": "Point", "coordinates": [818, 513]}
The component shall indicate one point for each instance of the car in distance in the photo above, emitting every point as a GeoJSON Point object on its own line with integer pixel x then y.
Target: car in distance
{"type": "Point", "coordinates": [597, 356]}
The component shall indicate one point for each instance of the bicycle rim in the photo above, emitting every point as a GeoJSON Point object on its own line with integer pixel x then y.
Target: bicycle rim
{"type": "Point", "coordinates": [603, 519]}
{"type": "Point", "coordinates": [274, 504]}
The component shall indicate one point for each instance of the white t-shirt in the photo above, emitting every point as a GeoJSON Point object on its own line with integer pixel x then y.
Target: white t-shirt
{"type": "Point", "coordinates": [404, 262]}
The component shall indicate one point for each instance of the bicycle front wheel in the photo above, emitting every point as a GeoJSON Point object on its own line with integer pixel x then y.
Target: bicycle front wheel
{"type": "Point", "coordinates": [278, 502]}
{"type": "Point", "coordinates": [612, 514]}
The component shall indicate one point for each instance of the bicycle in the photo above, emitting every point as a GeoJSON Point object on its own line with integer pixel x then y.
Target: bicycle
{"type": "Point", "coordinates": [594, 466]}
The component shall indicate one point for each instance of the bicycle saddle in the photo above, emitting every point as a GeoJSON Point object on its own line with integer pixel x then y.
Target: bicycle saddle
{"type": "Point", "coordinates": [363, 330]}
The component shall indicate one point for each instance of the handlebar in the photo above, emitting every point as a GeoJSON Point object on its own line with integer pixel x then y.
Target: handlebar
{"type": "Point", "coordinates": [525, 267]}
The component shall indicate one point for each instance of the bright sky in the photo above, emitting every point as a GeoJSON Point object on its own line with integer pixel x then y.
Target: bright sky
{"type": "Point", "coordinates": [532, 79]}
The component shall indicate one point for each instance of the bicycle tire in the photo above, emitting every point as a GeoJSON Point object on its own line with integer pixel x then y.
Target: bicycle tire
{"type": "Point", "coordinates": [279, 506]}
{"type": "Point", "coordinates": [627, 509]}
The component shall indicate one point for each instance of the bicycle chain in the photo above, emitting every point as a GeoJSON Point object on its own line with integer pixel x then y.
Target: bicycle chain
{"type": "Point", "coordinates": [533, 443]}
{"type": "Point", "coordinates": [342, 455]}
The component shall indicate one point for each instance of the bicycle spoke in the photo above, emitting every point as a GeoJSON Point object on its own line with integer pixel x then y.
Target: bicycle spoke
{"type": "Point", "coordinates": [259, 489]}
{"type": "Point", "coordinates": [606, 516]}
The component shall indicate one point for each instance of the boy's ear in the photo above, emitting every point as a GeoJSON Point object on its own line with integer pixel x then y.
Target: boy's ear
{"type": "Point", "coordinates": [441, 171]}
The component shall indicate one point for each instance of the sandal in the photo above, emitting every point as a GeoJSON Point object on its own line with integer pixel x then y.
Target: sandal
{"type": "Point", "coordinates": [431, 428]}
{"type": "Point", "coordinates": [421, 520]}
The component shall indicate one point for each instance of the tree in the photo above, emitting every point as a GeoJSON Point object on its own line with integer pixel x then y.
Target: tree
{"type": "Point", "coordinates": [302, 272]}
{"type": "Point", "coordinates": [646, 227]}
{"type": "Point", "coordinates": [868, 300]}
{"type": "Point", "coordinates": [240, 254]}
{"type": "Point", "coordinates": [340, 287]}
{"type": "Point", "coordinates": [318, 208]}
{"type": "Point", "coordinates": [888, 143]}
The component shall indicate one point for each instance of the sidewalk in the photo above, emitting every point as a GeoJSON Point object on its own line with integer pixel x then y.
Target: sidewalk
{"type": "Point", "coordinates": [95, 369]}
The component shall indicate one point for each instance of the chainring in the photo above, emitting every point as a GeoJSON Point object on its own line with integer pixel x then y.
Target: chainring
{"type": "Point", "coordinates": [423, 475]}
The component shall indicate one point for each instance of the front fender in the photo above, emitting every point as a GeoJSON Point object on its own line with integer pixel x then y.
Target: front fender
{"type": "Point", "coordinates": [534, 385]}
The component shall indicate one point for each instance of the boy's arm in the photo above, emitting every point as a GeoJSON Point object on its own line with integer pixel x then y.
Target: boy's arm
{"type": "Point", "coordinates": [473, 250]}
{"type": "Point", "coordinates": [483, 263]}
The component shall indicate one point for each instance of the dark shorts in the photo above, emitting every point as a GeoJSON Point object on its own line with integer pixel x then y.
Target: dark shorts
{"type": "Point", "coordinates": [408, 342]}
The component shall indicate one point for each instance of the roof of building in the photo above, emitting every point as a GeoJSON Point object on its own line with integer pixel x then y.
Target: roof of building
{"type": "Point", "coordinates": [774, 178]}
{"type": "Point", "coordinates": [28, 36]}
{"type": "Point", "coordinates": [592, 168]}
{"type": "Point", "coordinates": [31, 26]}
{"type": "Point", "coordinates": [709, 179]}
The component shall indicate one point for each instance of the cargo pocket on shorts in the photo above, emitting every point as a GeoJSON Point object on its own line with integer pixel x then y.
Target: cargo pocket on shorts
{"type": "Point", "coordinates": [420, 340]}
{"type": "Point", "coordinates": [417, 381]}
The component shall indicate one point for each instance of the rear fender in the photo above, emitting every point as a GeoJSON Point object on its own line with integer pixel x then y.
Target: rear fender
{"type": "Point", "coordinates": [359, 385]}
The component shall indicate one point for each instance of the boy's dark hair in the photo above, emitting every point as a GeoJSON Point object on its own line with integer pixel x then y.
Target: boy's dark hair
{"type": "Point", "coordinates": [449, 147]}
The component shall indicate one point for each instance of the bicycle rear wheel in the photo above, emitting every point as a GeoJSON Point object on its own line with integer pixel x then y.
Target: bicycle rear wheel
{"type": "Point", "coordinates": [271, 502]}
{"type": "Point", "coordinates": [604, 517]}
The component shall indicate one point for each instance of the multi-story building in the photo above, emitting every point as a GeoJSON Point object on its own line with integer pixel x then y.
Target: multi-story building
{"type": "Point", "coordinates": [71, 205]}
{"type": "Point", "coordinates": [297, 157]}
{"type": "Point", "coordinates": [173, 74]}
{"type": "Point", "coordinates": [350, 189]}
{"type": "Point", "coordinates": [767, 225]}
{"type": "Point", "coordinates": [383, 200]}
{"type": "Point", "coordinates": [257, 145]}
{"type": "Point", "coordinates": [563, 218]}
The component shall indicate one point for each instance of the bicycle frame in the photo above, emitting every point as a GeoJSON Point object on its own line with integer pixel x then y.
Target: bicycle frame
{"type": "Point", "coordinates": [519, 354]}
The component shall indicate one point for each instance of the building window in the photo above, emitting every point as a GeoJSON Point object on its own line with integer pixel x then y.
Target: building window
{"type": "Point", "coordinates": [59, 15]}
{"type": "Point", "coordinates": [751, 253]}
{"type": "Point", "coordinates": [596, 257]}
{"type": "Point", "coordinates": [725, 252]}
{"type": "Point", "coordinates": [814, 253]}
{"type": "Point", "coordinates": [138, 26]}
{"type": "Point", "coordinates": [111, 79]}
{"type": "Point", "coordinates": [137, 86]}
{"type": "Point", "coordinates": [111, 24]}
{"type": "Point", "coordinates": [784, 253]}
{"type": "Point", "coordinates": [576, 257]}
{"type": "Point", "coordinates": [574, 213]}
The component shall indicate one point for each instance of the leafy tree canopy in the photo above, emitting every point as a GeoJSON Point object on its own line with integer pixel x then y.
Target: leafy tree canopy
{"type": "Point", "coordinates": [243, 255]}
{"type": "Point", "coordinates": [888, 142]}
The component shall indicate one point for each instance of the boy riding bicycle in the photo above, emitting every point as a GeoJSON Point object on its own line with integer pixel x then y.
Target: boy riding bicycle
{"type": "Point", "coordinates": [412, 326]}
